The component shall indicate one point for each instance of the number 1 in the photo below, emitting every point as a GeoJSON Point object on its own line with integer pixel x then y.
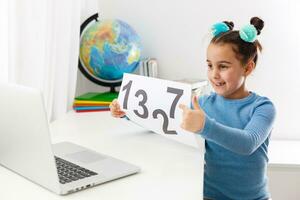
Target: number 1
{"type": "Point", "coordinates": [126, 87]}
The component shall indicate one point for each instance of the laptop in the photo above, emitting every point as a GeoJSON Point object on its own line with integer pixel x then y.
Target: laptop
{"type": "Point", "coordinates": [26, 149]}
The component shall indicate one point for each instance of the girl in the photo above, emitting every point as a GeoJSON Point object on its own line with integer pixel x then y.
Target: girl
{"type": "Point", "coordinates": [235, 122]}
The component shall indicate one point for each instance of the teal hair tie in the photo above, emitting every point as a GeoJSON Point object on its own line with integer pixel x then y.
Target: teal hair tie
{"type": "Point", "coordinates": [219, 28]}
{"type": "Point", "coordinates": [248, 33]}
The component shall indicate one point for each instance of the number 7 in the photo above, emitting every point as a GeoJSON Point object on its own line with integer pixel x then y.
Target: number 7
{"type": "Point", "coordinates": [179, 93]}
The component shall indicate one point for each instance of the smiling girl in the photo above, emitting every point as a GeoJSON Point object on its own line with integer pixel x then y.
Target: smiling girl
{"type": "Point", "coordinates": [235, 122]}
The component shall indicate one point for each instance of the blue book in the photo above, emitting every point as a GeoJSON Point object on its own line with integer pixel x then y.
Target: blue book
{"type": "Point", "coordinates": [91, 107]}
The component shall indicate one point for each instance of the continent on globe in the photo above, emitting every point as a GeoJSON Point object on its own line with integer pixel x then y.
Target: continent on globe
{"type": "Point", "coordinates": [109, 48]}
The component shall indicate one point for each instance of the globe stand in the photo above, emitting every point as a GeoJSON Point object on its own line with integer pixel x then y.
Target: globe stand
{"type": "Point", "coordinates": [92, 101]}
{"type": "Point", "coordinates": [113, 90]}
{"type": "Point", "coordinates": [84, 71]}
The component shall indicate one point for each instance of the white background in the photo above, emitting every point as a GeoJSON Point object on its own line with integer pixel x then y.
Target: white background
{"type": "Point", "coordinates": [3, 39]}
{"type": "Point", "coordinates": [175, 32]}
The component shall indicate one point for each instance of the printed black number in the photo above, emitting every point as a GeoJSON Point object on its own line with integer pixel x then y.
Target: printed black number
{"type": "Point", "coordinates": [145, 114]}
{"type": "Point", "coordinates": [142, 104]}
{"type": "Point", "coordinates": [126, 87]}
{"type": "Point", "coordinates": [179, 93]}
{"type": "Point", "coordinates": [166, 121]}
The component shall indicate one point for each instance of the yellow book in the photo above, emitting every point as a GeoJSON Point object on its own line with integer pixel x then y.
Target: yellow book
{"type": "Point", "coordinates": [92, 102]}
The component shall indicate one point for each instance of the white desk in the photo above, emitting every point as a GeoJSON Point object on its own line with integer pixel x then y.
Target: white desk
{"type": "Point", "coordinates": [170, 170]}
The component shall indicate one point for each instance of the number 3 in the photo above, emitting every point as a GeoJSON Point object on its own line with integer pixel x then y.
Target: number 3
{"type": "Point", "coordinates": [142, 104]}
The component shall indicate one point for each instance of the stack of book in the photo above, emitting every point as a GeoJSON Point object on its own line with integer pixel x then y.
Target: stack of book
{"type": "Point", "coordinates": [93, 102]}
{"type": "Point", "coordinates": [148, 67]}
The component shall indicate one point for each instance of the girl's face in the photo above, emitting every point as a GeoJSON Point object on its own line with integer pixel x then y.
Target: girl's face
{"type": "Point", "coordinates": [225, 72]}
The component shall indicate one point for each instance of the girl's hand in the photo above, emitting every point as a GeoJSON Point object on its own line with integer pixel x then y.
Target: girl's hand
{"type": "Point", "coordinates": [115, 109]}
{"type": "Point", "coordinates": [192, 119]}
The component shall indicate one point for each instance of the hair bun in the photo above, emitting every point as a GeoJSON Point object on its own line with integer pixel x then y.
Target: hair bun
{"type": "Point", "coordinates": [229, 24]}
{"type": "Point", "coordinates": [257, 23]}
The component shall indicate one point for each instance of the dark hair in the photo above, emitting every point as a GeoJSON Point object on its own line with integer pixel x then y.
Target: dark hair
{"type": "Point", "coordinates": [244, 50]}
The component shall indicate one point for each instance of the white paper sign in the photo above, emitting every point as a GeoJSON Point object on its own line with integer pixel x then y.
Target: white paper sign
{"type": "Point", "coordinates": [153, 103]}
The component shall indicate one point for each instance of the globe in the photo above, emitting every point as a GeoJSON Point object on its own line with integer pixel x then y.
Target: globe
{"type": "Point", "coordinates": [108, 48]}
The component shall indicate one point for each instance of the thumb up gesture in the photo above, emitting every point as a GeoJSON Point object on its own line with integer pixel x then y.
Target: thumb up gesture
{"type": "Point", "coordinates": [192, 119]}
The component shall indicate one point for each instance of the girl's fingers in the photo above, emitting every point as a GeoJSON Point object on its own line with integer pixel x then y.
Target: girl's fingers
{"type": "Point", "coordinates": [115, 109]}
{"type": "Point", "coordinates": [118, 114]}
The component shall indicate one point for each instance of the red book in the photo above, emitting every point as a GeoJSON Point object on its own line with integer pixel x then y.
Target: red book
{"type": "Point", "coordinates": [85, 104]}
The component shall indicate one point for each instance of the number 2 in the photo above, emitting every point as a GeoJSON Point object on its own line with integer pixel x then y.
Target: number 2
{"type": "Point", "coordinates": [166, 121]}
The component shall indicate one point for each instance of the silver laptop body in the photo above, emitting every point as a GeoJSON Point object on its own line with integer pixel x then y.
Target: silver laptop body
{"type": "Point", "coordinates": [26, 149]}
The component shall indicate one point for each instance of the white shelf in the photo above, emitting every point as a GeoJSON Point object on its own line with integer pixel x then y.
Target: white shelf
{"type": "Point", "coordinates": [284, 153]}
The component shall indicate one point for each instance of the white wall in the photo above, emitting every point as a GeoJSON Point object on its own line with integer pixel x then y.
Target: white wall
{"type": "Point", "coordinates": [88, 8]}
{"type": "Point", "coordinates": [174, 32]}
{"type": "Point", "coordinates": [3, 40]}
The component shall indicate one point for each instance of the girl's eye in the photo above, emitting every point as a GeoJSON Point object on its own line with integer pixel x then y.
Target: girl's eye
{"type": "Point", "coordinates": [209, 66]}
{"type": "Point", "coordinates": [223, 67]}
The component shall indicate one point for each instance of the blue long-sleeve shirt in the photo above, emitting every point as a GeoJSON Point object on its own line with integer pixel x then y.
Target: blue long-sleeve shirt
{"type": "Point", "coordinates": [236, 134]}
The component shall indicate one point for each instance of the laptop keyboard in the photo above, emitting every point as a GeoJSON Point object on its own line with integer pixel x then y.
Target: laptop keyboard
{"type": "Point", "coordinates": [68, 172]}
